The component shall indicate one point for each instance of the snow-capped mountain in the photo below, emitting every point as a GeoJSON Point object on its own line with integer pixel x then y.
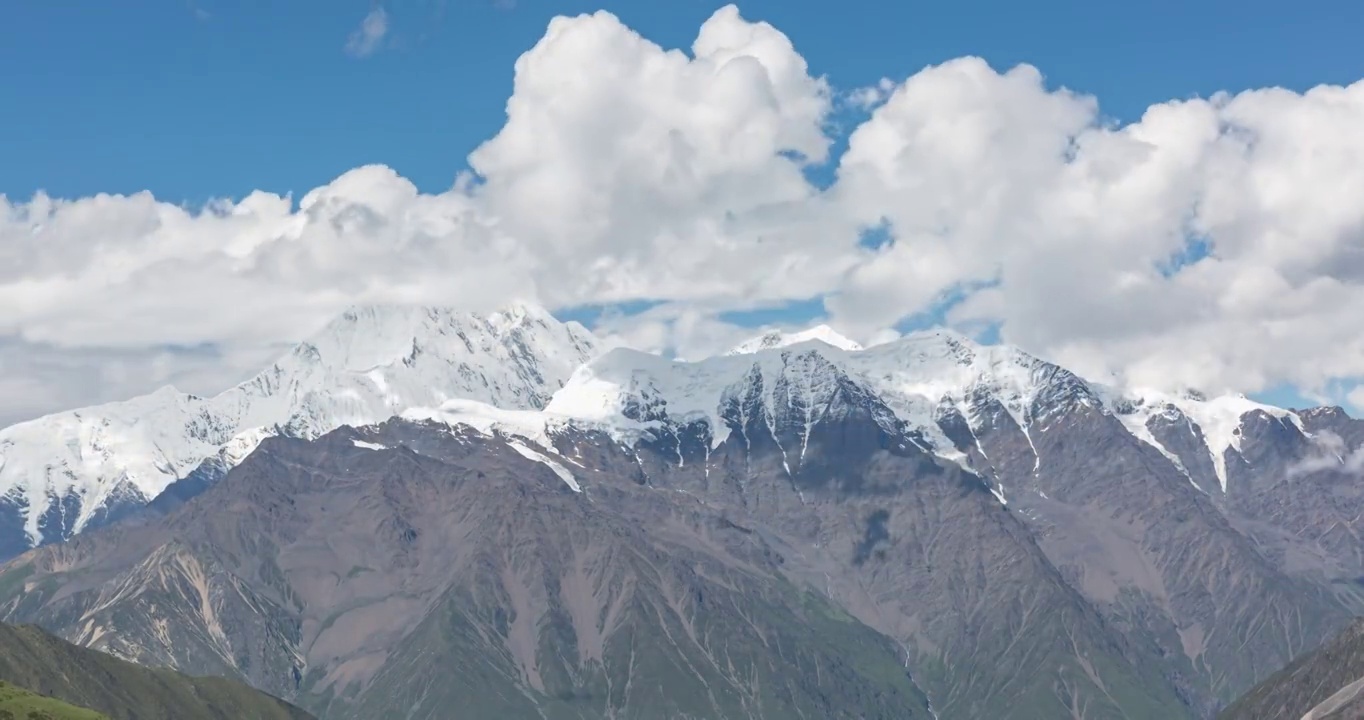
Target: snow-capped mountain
{"type": "Point", "coordinates": [940, 387]}
{"type": "Point", "coordinates": [930, 382]}
{"type": "Point", "coordinates": [1169, 544]}
{"type": "Point", "coordinates": [1214, 423]}
{"type": "Point", "coordinates": [369, 364]}
{"type": "Point", "coordinates": [912, 483]}
{"type": "Point", "coordinates": [521, 372]}
{"type": "Point", "coordinates": [778, 338]}
{"type": "Point", "coordinates": [918, 377]}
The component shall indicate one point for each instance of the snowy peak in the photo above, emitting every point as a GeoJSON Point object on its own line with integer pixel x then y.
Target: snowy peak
{"type": "Point", "coordinates": [778, 339]}
{"type": "Point", "coordinates": [374, 362]}
{"type": "Point", "coordinates": [1216, 420]}
{"type": "Point", "coordinates": [924, 379]}
{"type": "Point", "coordinates": [365, 337]}
{"type": "Point", "coordinates": [913, 377]}
{"type": "Point", "coordinates": [924, 370]}
{"type": "Point", "coordinates": [779, 398]}
{"type": "Point", "coordinates": [522, 372]}
{"type": "Point", "coordinates": [367, 365]}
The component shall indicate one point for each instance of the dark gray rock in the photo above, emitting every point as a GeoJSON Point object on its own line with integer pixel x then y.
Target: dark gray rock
{"type": "Point", "coordinates": [819, 560]}
{"type": "Point", "coordinates": [450, 576]}
{"type": "Point", "coordinates": [1325, 684]}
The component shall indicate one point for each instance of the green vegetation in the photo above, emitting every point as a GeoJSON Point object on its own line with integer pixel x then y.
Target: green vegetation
{"type": "Point", "coordinates": [48, 666]}
{"type": "Point", "coordinates": [19, 704]}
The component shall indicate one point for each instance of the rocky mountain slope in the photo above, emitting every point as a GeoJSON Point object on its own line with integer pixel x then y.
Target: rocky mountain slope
{"type": "Point", "coordinates": [433, 574]}
{"type": "Point", "coordinates": [1179, 560]}
{"type": "Point", "coordinates": [1026, 543]}
{"type": "Point", "coordinates": [1325, 684]}
{"type": "Point", "coordinates": [47, 675]}
{"type": "Point", "coordinates": [62, 473]}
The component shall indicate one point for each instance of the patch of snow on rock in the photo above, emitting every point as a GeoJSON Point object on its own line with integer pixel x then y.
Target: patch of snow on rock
{"type": "Point", "coordinates": [558, 469]}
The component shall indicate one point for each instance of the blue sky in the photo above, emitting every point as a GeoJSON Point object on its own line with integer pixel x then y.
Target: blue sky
{"type": "Point", "coordinates": [196, 99]}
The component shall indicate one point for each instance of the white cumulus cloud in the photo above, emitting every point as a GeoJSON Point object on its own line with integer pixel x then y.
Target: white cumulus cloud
{"type": "Point", "coordinates": [1214, 242]}
{"type": "Point", "coordinates": [1075, 227]}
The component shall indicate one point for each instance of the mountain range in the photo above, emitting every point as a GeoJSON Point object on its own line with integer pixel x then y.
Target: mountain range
{"type": "Point", "coordinates": [63, 473]}
{"type": "Point", "coordinates": [421, 509]}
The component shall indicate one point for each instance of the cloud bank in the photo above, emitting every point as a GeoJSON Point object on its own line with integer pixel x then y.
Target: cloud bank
{"type": "Point", "coordinates": [1216, 242]}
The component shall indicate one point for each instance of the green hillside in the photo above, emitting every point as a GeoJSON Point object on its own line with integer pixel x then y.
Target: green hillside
{"type": "Point", "coordinates": [20, 704]}
{"type": "Point", "coordinates": [41, 663]}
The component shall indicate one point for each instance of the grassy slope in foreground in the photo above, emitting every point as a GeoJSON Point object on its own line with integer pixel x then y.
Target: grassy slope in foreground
{"type": "Point", "coordinates": [32, 659]}
{"type": "Point", "coordinates": [19, 704]}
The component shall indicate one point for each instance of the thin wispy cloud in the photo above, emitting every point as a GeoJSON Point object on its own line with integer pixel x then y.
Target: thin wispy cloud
{"type": "Point", "coordinates": [1329, 452]}
{"type": "Point", "coordinates": [868, 98]}
{"type": "Point", "coordinates": [367, 38]}
{"type": "Point", "coordinates": [199, 12]}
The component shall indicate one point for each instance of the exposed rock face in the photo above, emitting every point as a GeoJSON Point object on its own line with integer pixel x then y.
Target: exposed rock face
{"type": "Point", "coordinates": [1325, 684]}
{"type": "Point", "coordinates": [1157, 557]}
{"type": "Point", "coordinates": [1301, 496]}
{"type": "Point", "coordinates": [1195, 552]}
{"type": "Point", "coordinates": [817, 560]}
{"type": "Point", "coordinates": [800, 530]}
{"type": "Point", "coordinates": [449, 575]}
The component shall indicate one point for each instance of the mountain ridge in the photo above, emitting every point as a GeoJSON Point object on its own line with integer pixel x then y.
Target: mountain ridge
{"type": "Point", "coordinates": [1324, 684]}
{"type": "Point", "coordinates": [36, 661]}
{"type": "Point", "coordinates": [1054, 493]}
{"type": "Point", "coordinates": [62, 472]}
{"type": "Point", "coordinates": [59, 472]}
